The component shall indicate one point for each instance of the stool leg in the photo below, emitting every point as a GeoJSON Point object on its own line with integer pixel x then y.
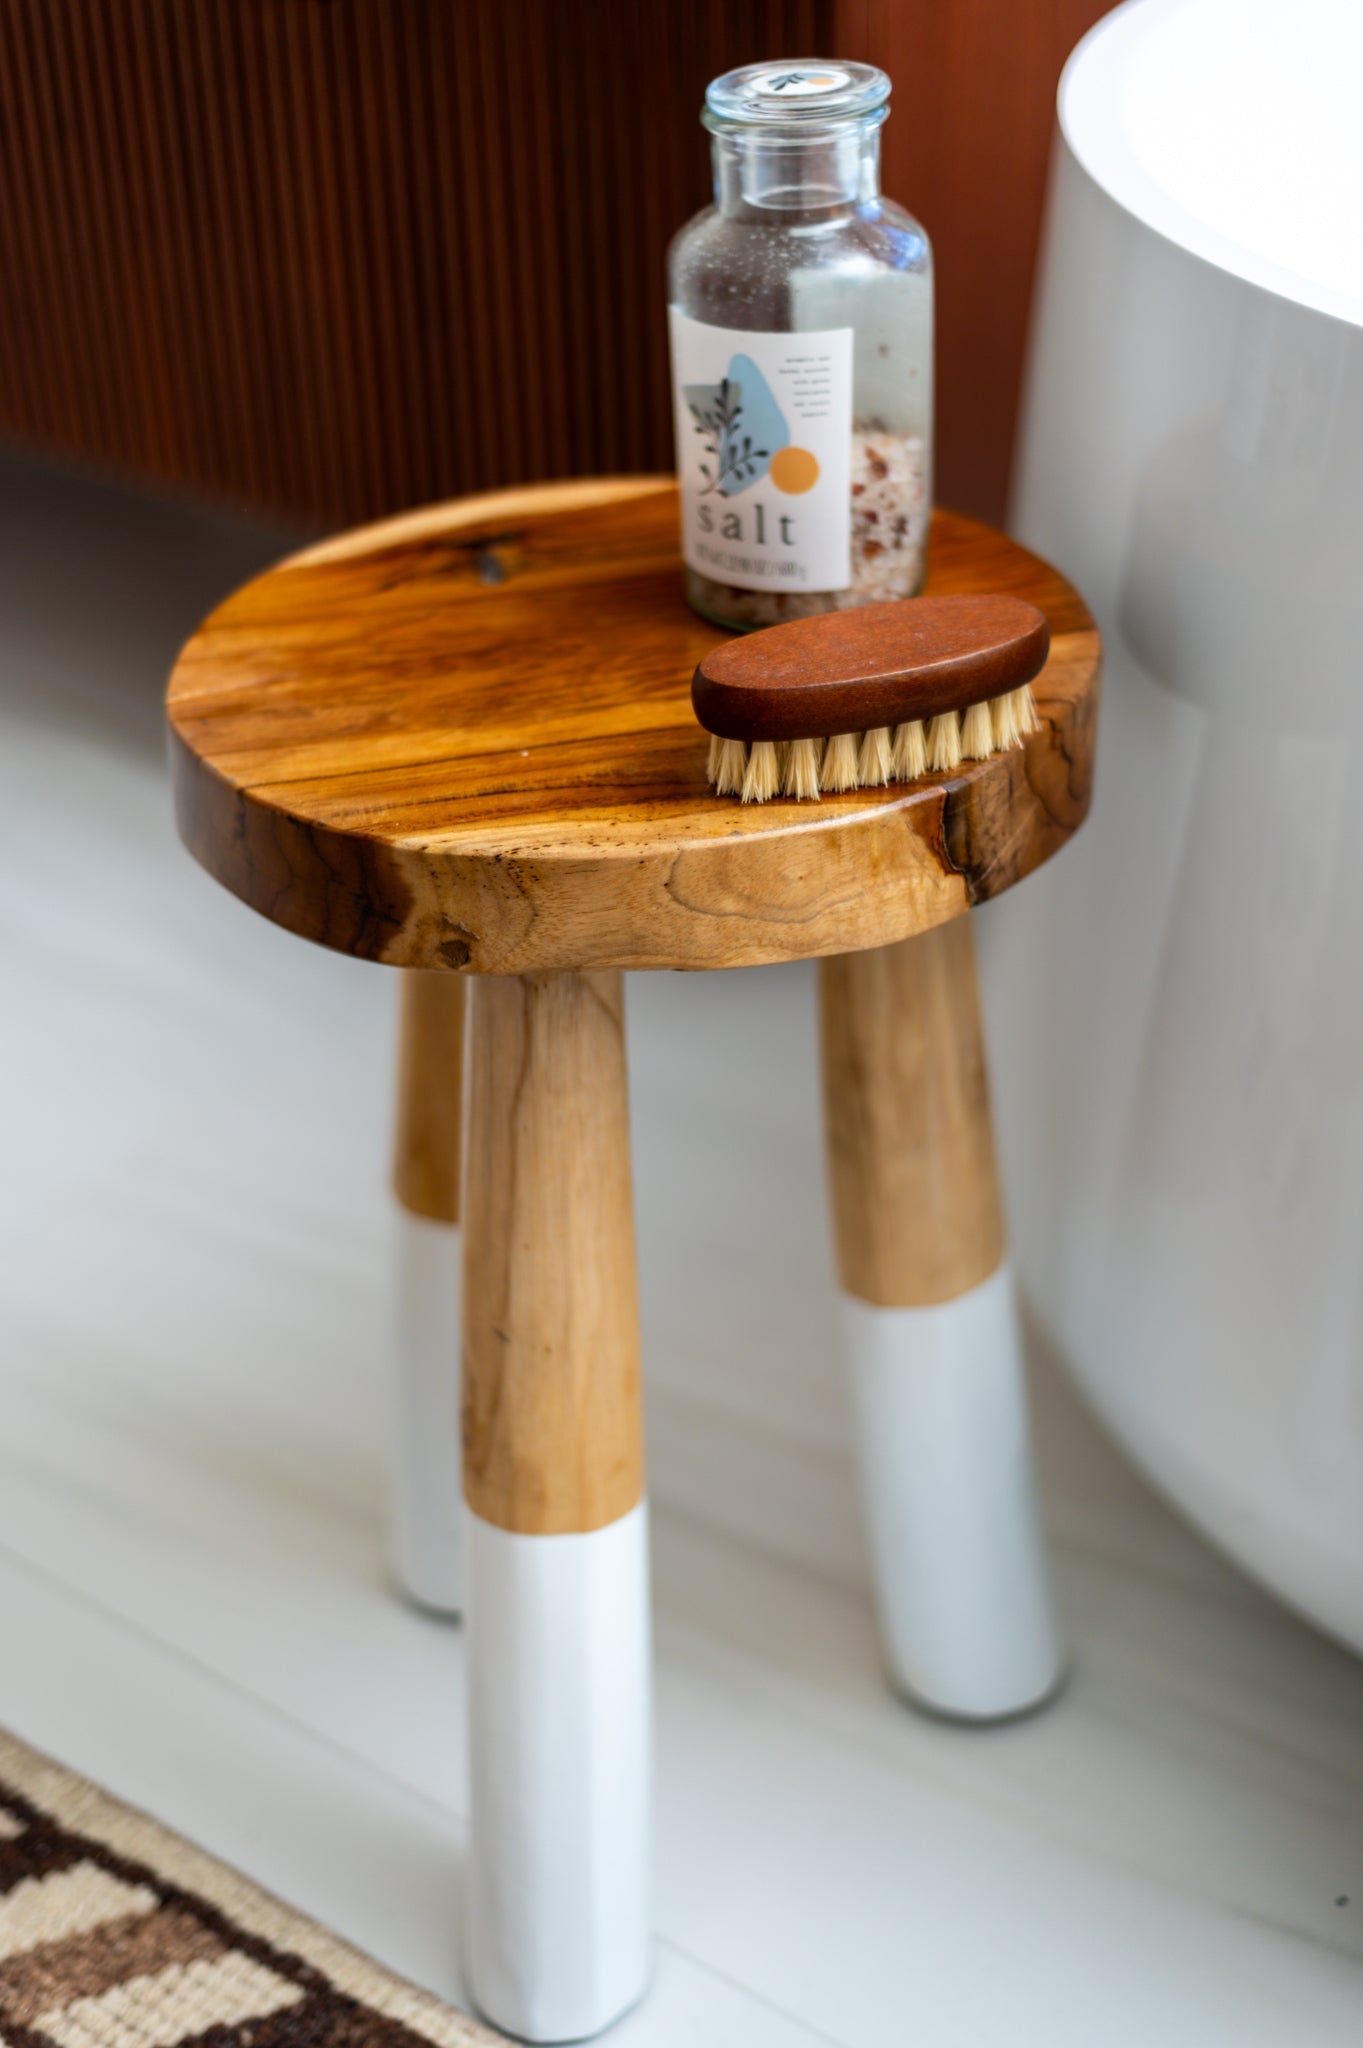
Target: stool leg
{"type": "Point", "coordinates": [955, 1539]}
{"type": "Point", "coordinates": [557, 1551]}
{"type": "Point", "coordinates": [426, 1180]}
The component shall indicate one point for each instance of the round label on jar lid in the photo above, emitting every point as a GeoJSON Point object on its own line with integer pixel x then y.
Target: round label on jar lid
{"type": "Point", "coordinates": [793, 85]}
{"type": "Point", "coordinates": [796, 94]}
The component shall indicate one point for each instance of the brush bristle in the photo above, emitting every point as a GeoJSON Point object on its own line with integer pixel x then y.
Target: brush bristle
{"type": "Point", "coordinates": [910, 751]}
{"type": "Point", "coordinates": [729, 766]}
{"type": "Point", "coordinates": [1004, 719]}
{"type": "Point", "coordinates": [763, 778]}
{"type": "Point", "coordinates": [1014, 716]}
{"type": "Point", "coordinates": [977, 733]}
{"type": "Point", "coordinates": [875, 758]}
{"type": "Point", "coordinates": [839, 764]}
{"type": "Point", "coordinates": [807, 769]}
{"type": "Point", "coordinates": [944, 743]}
{"type": "Point", "coordinates": [1028, 718]}
{"type": "Point", "coordinates": [800, 775]}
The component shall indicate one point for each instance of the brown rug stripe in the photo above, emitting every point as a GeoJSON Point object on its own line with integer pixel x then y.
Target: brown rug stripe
{"type": "Point", "coordinates": [115, 1933]}
{"type": "Point", "coordinates": [55, 1973]}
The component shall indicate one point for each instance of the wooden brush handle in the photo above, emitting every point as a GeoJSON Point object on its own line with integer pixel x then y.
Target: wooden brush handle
{"type": "Point", "coordinates": [878, 664]}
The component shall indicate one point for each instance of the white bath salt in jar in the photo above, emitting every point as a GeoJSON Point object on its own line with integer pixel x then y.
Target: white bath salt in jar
{"type": "Point", "coordinates": [801, 329]}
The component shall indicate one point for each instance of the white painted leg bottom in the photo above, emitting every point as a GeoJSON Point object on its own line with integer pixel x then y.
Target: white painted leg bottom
{"type": "Point", "coordinates": [428, 1489]}
{"type": "Point", "coordinates": [956, 1545]}
{"type": "Point", "coordinates": [560, 1730]}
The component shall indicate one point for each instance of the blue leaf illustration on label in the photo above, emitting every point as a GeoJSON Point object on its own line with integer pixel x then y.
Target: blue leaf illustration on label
{"type": "Point", "coordinates": [764, 454]}
{"type": "Point", "coordinates": [740, 424]}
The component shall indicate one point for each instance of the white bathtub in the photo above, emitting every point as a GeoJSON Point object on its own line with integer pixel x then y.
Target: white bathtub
{"type": "Point", "coordinates": [1177, 1003]}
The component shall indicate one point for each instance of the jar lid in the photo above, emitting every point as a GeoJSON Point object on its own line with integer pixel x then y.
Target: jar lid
{"type": "Point", "coordinates": [798, 96]}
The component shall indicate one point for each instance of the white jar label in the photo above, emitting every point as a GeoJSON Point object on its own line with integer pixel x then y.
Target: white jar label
{"type": "Point", "coordinates": [764, 454]}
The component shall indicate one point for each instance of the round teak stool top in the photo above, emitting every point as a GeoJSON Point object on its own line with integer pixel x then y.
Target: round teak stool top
{"type": "Point", "coordinates": [463, 738]}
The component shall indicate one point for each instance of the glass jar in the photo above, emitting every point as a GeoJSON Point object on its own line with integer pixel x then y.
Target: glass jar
{"type": "Point", "coordinates": [800, 308]}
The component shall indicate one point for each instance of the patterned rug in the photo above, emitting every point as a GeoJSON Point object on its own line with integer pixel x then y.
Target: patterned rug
{"type": "Point", "coordinates": [115, 1933]}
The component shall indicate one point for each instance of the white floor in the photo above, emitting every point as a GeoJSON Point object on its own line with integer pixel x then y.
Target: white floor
{"type": "Point", "coordinates": [194, 1595]}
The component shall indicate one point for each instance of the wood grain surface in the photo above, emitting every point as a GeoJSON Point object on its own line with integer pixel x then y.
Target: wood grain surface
{"type": "Point", "coordinates": [911, 1175]}
{"type": "Point", "coordinates": [426, 1147]}
{"type": "Point", "coordinates": [553, 1427]}
{"type": "Point", "coordinates": [464, 739]}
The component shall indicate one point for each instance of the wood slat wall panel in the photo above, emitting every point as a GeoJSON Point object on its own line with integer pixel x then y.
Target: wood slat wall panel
{"type": "Point", "coordinates": [329, 257]}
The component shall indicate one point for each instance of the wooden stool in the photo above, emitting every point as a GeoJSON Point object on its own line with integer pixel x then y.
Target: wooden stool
{"type": "Point", "coordinates": [461, 743]}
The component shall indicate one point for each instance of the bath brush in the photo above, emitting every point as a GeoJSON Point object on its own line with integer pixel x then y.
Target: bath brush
{"type": "Point", "coordinates": [877, 694]}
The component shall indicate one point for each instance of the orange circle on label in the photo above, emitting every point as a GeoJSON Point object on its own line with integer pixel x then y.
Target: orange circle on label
{"type": "Point", "coordinates": [794, 470]}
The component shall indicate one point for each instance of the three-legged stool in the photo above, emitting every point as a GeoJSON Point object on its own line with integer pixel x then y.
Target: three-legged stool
{"type": "Point", "coordinates": [460, 742]}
